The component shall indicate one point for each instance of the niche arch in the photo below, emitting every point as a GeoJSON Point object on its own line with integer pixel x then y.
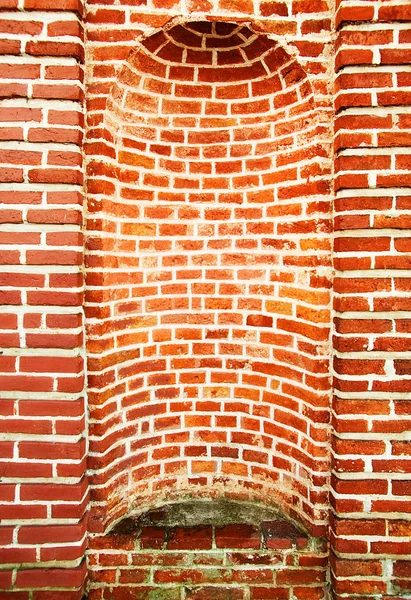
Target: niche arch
{"type": "Point", "coordinates": [208, 277]}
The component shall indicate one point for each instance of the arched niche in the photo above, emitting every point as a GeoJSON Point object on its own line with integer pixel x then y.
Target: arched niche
{"type": "Point", "coordinates": [208, 277]}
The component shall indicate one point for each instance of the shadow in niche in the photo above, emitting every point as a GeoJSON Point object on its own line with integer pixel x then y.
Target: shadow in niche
{"type": "Point", "coordinates": [220, 512]}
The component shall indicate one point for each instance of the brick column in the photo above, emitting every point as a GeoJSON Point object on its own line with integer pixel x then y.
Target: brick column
{"type": "Point", "coordinates": [44, 492]}
{"type": "Point", "coordinates": [371, 488]}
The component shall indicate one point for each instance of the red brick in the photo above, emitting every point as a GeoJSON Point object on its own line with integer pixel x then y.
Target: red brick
{"type": "Point", "coordinates": [40, 578]}
{"type": "Point", "coordinates": [190, 538]}
{"type": "Point", "coordinates": [238, 536]}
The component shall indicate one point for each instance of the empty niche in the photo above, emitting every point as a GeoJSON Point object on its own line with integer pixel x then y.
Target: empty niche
{"type": "Point", "coordinates": [208, 277]}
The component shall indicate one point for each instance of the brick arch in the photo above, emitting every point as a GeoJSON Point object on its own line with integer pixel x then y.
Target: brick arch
{"type": "Point", "coordinates": [208, 285]}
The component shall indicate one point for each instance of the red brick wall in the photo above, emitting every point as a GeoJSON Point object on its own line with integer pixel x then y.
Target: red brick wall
{"type": "Point", "coordinates": [208, 258]}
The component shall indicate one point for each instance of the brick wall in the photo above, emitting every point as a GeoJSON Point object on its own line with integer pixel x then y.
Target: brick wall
{"type": "Point", "coordinates": [209, 170]}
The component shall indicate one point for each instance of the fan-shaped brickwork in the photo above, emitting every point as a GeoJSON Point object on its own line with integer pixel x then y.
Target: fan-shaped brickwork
{"type": "Point", "coordinates": [208, 297]}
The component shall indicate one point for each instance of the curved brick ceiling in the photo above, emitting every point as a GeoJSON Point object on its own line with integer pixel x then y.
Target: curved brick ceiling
{"type": "Point", "coordinates": [207, 100]}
